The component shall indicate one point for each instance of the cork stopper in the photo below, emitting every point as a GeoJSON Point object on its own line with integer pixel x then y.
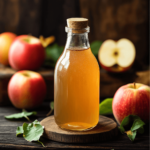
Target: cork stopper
{"type": "Point", "coordinates": [78, 25]}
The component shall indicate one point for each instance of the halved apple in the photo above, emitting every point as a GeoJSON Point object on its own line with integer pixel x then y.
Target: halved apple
{"type": "Point", "coordinates": [117, 56]}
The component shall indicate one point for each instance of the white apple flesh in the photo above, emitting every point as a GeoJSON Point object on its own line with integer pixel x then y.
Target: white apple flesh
{"type": "Point", "coordinates": [117, 56]}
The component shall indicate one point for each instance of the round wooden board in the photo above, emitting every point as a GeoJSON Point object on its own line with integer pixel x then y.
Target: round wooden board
{"type": "Point", "coordinates": [105, 130]}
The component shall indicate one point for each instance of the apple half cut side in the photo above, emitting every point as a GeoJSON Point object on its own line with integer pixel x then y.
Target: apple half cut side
{"type": "Point", "coordinates": [117, 56]}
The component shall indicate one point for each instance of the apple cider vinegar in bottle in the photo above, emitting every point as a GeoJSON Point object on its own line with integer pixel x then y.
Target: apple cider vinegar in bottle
{"type": "Point", "coordinates": [76, 81]}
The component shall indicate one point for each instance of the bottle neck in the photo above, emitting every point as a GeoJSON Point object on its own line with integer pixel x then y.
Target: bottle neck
{"type": "Point", "coordinates": [77, 41]}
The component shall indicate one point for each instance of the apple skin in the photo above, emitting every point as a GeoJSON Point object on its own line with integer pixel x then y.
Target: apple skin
{"type": "Point", "coordinates": [6, 40]}
{"type": "Point", "coordinates": [26, 89]}
{"type": "Point", "coordinates": [115, 70]}
{"type": "Point", "coordinates": [129, 100]}
{"type": "Point", "coordinates": [26, 56]}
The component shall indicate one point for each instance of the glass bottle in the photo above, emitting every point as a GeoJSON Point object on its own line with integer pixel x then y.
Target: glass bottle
{"type": "Point", "coordinates": [76, 81]}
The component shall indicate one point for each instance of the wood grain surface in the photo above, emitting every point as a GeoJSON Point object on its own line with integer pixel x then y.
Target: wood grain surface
{"type": "Point", "coordinates": [105, 130]}
{"type": "Point", "coordinates": [8, 139]}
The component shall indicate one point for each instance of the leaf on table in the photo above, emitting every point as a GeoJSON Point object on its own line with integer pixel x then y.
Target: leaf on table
{"type": "Point", "coordinates": [105, 106]}
{"type": "Point", "coordinates": [19, 130]}
{"type": "Point", "coordinates": [52, 108]}
{"type": "Point", "coordinates": [33, 131]}
{"type": "Point", "coordinates": [138, 123]}
{"type": "Point", "coordinates": [95, 47]}
{"type": "Point", "coordinates": [36, 122]}
{"type": "Point", "coordinates": [23, 114]}
{"type": "Point", "coordinates": [122, 130]}
{"type": "Point", "coordinates": [127, 122]}
{"type": "Point", "coordinates": [135, 124]}
{"type": "Point", "coordinates": [131, 135]}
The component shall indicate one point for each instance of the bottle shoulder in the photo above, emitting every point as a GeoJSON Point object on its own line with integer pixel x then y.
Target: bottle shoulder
{"type": "Point", "coordinates": [77, 59]}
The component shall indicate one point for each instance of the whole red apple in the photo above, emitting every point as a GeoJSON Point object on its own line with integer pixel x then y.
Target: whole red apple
{"type": "Point", "coordinates": [26, 89]}
{"type": "Point", "coordinates": [6, 40]}
{"type": "Point", "coordinates": [26, 53]}
{"type": "Point", "coordinates": [132, 99]}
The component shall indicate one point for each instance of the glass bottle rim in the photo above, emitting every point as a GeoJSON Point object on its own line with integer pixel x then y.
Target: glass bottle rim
{"type": "Point", "coordinates": [84, 30]}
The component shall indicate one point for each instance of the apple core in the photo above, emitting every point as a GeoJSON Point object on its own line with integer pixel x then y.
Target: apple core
{"type": "Point", "coordinates": [25, 74]}
{"type": "Point", "coordinates": [116, 53]}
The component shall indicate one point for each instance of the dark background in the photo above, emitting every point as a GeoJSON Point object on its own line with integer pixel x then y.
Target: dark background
{"type": "Point", "coordinates": [108, 19]}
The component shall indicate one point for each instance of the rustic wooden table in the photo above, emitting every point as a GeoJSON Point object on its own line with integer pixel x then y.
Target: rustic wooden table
{"type": "Point", "coordinates": [8, 139]}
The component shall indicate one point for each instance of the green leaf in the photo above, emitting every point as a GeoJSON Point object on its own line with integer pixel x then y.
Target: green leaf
{"type": "Point", "coordinates": [52, 105]}
{"type": "Point", "coordinates": [122, 130]}
{"type": "Point", "coordinates": [131, 135]}
{"type": "Point", "coordinates": [53, 52]}
{"type": "Point", "coordinates": [95, 47]}
{"type": "Point", "coordinates": [23, 114]}
{"type": "Point", "coordinates": [135, 124]}
{"type": "Point", "coordinates": [125, 121]}
{"type": "Point", "coordinates": [128, 120]}
{"type": "Point", "coordinates": [105, 106]}
{"type": "Point", "coordinates": [19, 130]}
{"type": "Point", "coordinates": [36, 122]}
{"type": "Point", "coordinates": [52, 108]}
{"type": "Point", "coordinates": [138, 123]}
{"type": "Point", "coordinates": [33, 131]}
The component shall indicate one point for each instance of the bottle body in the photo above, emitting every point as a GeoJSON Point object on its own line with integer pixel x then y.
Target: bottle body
{"type": "Point", "coordinates": [76, 89]}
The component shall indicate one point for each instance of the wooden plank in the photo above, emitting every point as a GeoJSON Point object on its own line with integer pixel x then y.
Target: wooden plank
{"type": "Point", "coordinates": [8, 139]}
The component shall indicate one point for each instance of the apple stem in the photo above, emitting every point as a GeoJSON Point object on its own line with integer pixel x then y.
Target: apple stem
{"type": "Point", "coordinates": [27, 118]}
{"type": "Point", "coordinates": [134, 85]}
{"type": "Point", "coordinates": [50, 112]}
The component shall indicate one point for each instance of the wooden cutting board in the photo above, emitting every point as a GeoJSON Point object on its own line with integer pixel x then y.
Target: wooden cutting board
{"type": "Point", "coordinates": [105, 130]}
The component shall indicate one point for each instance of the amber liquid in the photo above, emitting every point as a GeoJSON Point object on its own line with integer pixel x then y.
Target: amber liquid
{"type": "Point", "coordinates": [76, 90]}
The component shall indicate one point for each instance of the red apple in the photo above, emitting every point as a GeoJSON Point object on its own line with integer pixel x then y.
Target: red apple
{"type": "Point", "coordinates": [6, 40]}
{"type": "Point", "coordinates": [26, 89]}
{"type": "Point", "coordinates": [116, 56]}
{"type": "Point", "coordinates": [26, 53]}
{"type": "Point", "coordinates": [132, 99]}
